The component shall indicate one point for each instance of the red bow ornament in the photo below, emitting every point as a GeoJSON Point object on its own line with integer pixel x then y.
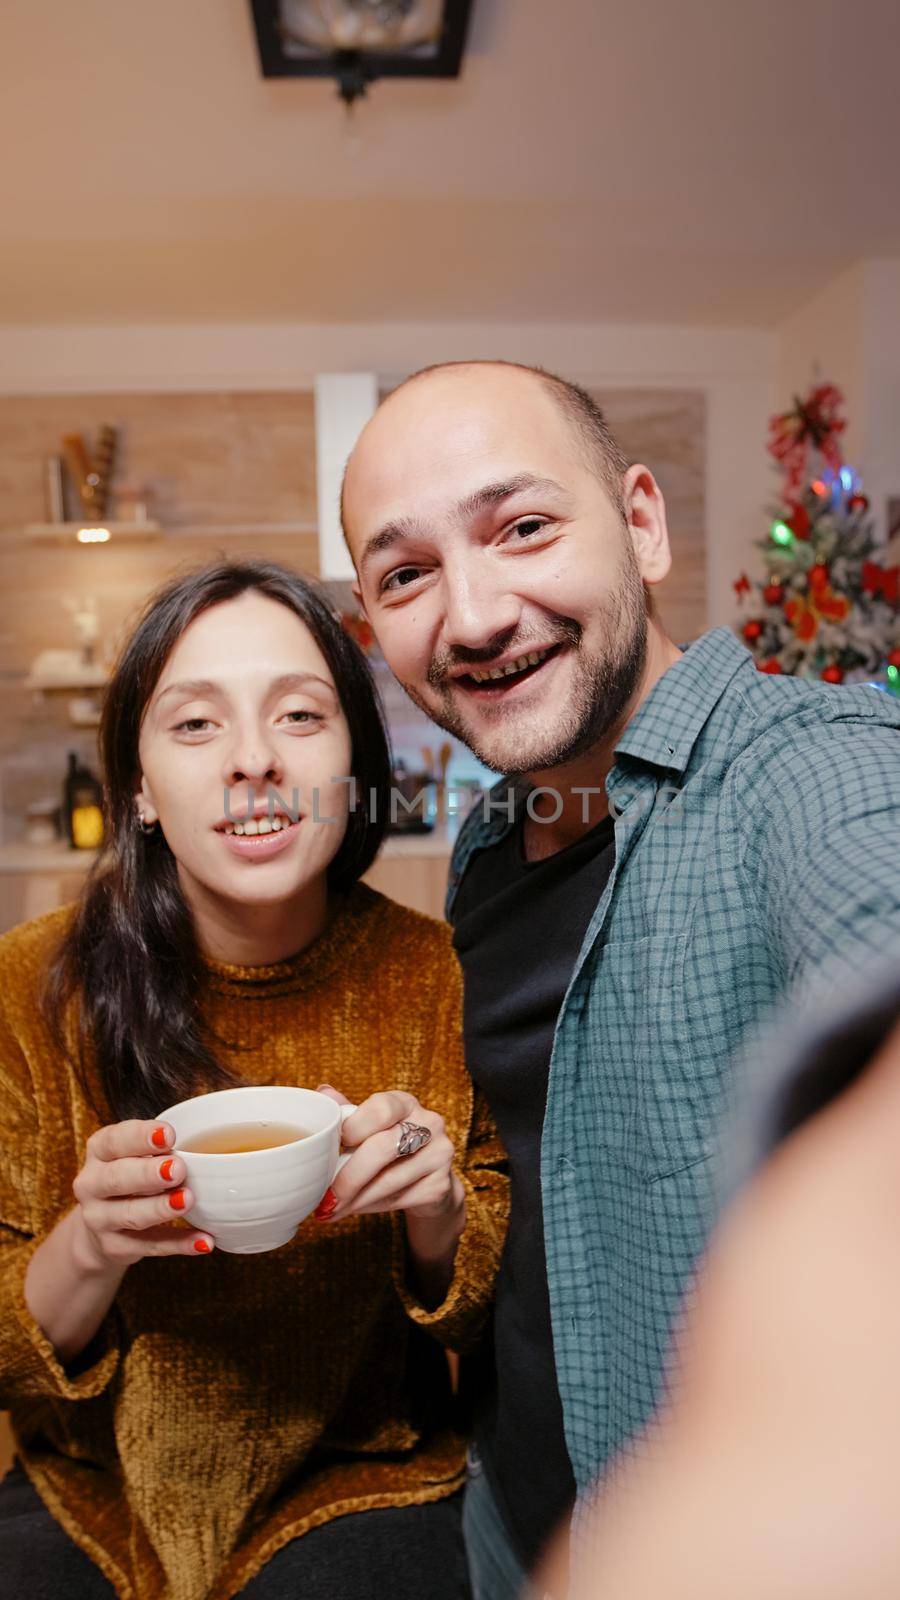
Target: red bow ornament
{"type": "Point", "coordinates": [821, 605]}
{"type": "Point", "coordinates": [359, 628]}
{"type": "Point", "coordinates": [812, 423]}
{"type": "Point", "coordinates": [884, 581]}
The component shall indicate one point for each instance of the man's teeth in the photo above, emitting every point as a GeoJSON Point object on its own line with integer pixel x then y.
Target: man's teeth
{"type": "Point", "coordinates": [511, 667]}
{"type": "Point", "coordinates": [259, 825]}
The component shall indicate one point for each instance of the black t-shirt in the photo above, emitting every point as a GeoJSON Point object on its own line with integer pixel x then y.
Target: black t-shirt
{"type": "Point", "coordinates": [518, 927]}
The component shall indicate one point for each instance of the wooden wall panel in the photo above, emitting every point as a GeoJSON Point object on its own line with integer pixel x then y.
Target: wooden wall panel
{"type": "Point", "coordinates": [207, 461]}
{"type": "Point", "coordinates": [666, 428]}
{"type": "Point", "coordinates": [208, 458]}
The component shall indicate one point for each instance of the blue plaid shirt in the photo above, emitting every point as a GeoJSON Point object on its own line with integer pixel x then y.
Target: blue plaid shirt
{"type": "Point", "coordinates": [757, 834]}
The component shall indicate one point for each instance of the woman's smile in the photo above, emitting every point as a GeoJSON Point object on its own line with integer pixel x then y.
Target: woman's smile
{"type": "Point", "coordinates": [268, 838]}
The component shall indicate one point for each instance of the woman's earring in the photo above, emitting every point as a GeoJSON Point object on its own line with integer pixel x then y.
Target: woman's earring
{"type": "Point", "coordinates": [144, 825]}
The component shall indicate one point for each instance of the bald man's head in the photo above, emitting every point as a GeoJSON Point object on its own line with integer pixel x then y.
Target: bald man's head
{"type": "Point", "coordinates": [595, 440]}
{"type": "Point", "coordinates": [503, 549]}
{"type": "Point", "coordinates": [579, 409]}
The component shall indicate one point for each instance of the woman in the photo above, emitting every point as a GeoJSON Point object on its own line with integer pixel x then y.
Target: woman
{"type": "Point", "coordinates": [192, 1423]}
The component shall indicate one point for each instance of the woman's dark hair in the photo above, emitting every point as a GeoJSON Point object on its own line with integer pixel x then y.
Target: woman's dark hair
{"type": "Point", "coordinates": [129, 964]}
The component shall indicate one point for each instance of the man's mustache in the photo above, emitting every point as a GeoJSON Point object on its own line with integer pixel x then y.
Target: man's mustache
{"type": "Point", "coordinates": [560, 630]}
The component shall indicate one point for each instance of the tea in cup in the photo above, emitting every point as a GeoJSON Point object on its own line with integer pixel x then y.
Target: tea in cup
{"type": "Point", "coordinates": [258, 1160]}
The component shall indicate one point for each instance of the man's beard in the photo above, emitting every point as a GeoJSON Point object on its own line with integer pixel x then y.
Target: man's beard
{"type": "Point", "coordinates": [603, 686]}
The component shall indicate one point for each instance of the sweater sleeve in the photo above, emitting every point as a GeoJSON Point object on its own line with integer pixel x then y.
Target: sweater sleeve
{"type": "Point", "coordinates": [482, 1168]}
{"type": "Point", "coordinates": [28, 1364]}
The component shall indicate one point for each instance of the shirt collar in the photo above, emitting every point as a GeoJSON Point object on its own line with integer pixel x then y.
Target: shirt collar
{"type": "Point", "coordinates": [666, 725]}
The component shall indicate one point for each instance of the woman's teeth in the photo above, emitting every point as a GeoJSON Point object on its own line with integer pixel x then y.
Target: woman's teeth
{"type": "Point", "coordinates": [511, 667]}
{"type": "Point", "coordinates": [259, 825]}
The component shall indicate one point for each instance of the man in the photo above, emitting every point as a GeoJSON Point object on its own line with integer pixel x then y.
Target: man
{"type": "Point", "coordinates": [684, 840]}
{"type": "Point", "coordinates": [774, 1470]}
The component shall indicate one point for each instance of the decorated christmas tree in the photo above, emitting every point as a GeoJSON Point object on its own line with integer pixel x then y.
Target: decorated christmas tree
{"type": "Point", "coordinates": [828, 604]}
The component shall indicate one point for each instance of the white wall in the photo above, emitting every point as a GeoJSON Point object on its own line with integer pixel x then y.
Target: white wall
{"type": "Point", "coordinates": [850, 331]}
{"type": "Point", "coordinates": [822, 342]}
{"type": "Point", "coordinates": [735, 369]}
{"type": "Point", "coordinates": [881, 358]}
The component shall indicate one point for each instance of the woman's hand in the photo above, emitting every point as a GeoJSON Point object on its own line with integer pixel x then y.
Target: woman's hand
{"type": "Point", "coordinates": [423, 1186]}
{"type": "Point", "coordinates": [129, 1192]}
{"type": "Point", "coordinates": [377, 1177]}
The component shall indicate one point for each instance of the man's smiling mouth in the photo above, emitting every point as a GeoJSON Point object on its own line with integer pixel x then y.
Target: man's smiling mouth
{"type": "Point", "coordinates": [497, 679]}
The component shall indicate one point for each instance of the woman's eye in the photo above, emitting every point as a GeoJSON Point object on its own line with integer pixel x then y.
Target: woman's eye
{"type": "Point", "coordinates": [401, 578]}
{"type": "Point", "coordinates": [298, 718]}
{"type": "Point", "coordinates": [193, 725]}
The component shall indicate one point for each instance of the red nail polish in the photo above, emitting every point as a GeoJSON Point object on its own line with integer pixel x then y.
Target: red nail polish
{"type": "Point", "coordinates": [327, 1206]}
{"type": "Point", "coordinates": [165, 1170]}
{"type": "Point", "coordinates": [202, 1247]}
{"type": "Point", "coordinates": [176, 1199]}
{"type": "Point", "coordinates": [158, 1137]}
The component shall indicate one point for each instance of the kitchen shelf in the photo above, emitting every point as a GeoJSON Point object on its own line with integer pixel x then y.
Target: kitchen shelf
{"type": "Point", "coordinates": [66, 532]}
{"type": "Point", "coordinates": [75, 683]}
{"type": "Point", "coordinates": [243, 530]}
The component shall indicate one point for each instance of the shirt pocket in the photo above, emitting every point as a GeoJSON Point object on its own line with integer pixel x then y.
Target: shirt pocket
{"type": "Point", "coordinates": [655, 1111]}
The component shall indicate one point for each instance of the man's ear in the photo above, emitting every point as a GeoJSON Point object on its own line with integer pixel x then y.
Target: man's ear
{"type": "Point", "coordinates": [645, 514]}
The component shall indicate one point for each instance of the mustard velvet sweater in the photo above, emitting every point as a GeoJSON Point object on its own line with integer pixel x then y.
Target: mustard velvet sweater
{"type": "Point", "coordinates": [231, 1403]}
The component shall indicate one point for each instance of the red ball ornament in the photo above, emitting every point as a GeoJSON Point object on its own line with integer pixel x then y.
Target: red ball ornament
{"type": "Point", "coordinates": [752, 630]}
{"type": "Point", "coordinates": [894, 658]}
{"type": "Point", "coordinates": [773, 594]}
{"type": "Point", "coordinates": [799, 522]}
{"type": "Point", "coordinates": [773, 665]}
{"type": "Point", "coordinates": [858, 502]}
{"type": "Point", "coordinates": [833, 674]}
{"type": "Point", "coordinates": [817, 575]}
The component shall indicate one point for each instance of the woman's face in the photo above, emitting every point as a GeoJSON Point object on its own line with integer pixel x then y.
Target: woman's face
{"type": "Point", "coordinates": [246, 701]}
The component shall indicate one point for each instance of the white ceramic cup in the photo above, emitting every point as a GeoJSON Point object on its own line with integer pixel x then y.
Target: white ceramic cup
{"type": "Point", "coordinates": [255, 1200]}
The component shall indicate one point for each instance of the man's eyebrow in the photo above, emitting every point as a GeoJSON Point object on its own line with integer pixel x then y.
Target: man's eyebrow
{"type": "Point", "coordinates": [493, 494]}
{"type": "Point", "coordinates": [201, 688]}
{"type": "Point", "coordinates": [490, 494]}
{"type": "Point", "coordinates": [391, 533]}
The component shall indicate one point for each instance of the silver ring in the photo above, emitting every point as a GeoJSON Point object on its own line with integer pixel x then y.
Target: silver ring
{"type": "Point", "coordinates": [411, 1137]}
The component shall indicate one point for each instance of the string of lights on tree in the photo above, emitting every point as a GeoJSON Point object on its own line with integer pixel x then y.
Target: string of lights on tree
{"type": "Point", "coordinates": [827, 606]}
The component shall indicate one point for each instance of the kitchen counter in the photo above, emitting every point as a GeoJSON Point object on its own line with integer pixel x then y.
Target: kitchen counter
{"type": "Point", "coordinates": [34, 878]}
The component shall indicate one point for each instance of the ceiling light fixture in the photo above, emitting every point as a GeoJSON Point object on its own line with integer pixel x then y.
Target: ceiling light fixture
{"type": "Point", "coordinates": [357, 41]}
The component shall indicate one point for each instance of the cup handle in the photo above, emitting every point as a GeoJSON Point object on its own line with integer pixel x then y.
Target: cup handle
{"type": "Point", "coordinates": [346, 1111]}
